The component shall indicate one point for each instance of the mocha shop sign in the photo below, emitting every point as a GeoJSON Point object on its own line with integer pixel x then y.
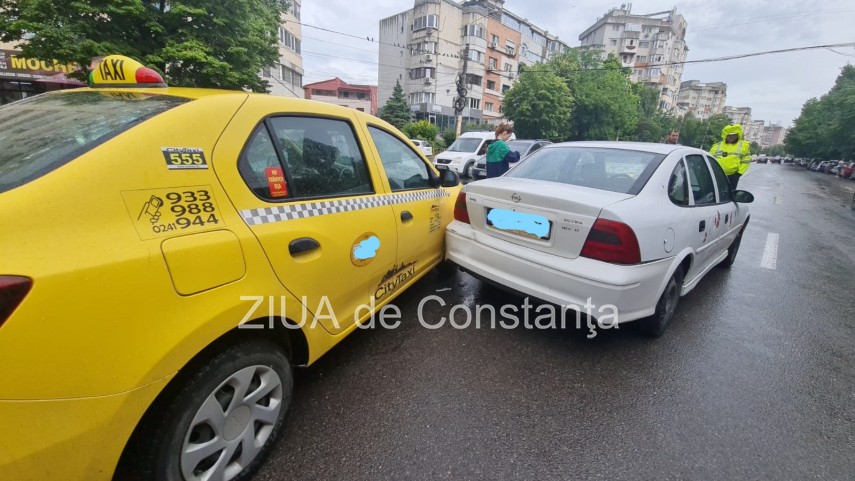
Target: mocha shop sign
{"type": "Point", "coordinates": [12, 64]}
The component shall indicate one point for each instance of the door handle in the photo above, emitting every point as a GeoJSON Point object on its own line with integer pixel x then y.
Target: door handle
{"type": "Point", "coordinates": [702, 226]}
{"type": "Point", "coordinates": [302, 245]}
{"type": "Point", "coordinates": [406, 215]}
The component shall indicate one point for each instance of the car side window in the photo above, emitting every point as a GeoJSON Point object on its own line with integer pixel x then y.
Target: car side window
{"type": "Point", "coordinates": [724, 193]}
{"type": "Point", "coordinates": [320, 158]}
{"type": "Point", "coordinates": [404, 168]}
{"type": "Point", "coordinates": [700, 180]}
{"type": "Point", "coordinates": [258, 164]}
{"type": "Point", "coordinates": [678, 186]}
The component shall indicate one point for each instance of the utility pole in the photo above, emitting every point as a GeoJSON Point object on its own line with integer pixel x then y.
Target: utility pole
{"type": "Point", "coordinates": [460, 100]}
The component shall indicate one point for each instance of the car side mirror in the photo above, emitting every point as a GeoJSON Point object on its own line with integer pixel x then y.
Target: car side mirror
{"type": "Point", "coordinates": [743, 197]}
{"type": "Point", "coordinates": [449, 178]}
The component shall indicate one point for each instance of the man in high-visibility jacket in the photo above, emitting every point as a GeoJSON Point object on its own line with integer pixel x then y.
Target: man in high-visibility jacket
{"type": "Point", "coordinates": [732, 153]}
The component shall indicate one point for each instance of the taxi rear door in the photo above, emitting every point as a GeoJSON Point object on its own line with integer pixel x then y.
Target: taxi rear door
{"type": "Point", "coordinates": [302, 184]}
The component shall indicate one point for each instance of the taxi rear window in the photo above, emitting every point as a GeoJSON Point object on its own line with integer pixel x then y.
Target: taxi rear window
{"type": "Point", "coordinates": [40, 134]}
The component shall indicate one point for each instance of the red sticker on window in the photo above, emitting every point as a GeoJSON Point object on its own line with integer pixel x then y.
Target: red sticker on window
{"type": "Point", "coordinates": [276, 182]}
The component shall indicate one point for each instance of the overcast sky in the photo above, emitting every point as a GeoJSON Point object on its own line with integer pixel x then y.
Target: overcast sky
{"type": "Point", "coordinates": [774, 86]}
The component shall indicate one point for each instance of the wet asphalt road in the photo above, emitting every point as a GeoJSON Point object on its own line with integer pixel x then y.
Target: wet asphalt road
{"type": "Point", "coordinates": [755, 378]}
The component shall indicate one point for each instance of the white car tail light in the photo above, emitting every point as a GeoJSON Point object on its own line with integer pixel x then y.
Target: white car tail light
{"type": "Point", "coordinates": [613, 242]}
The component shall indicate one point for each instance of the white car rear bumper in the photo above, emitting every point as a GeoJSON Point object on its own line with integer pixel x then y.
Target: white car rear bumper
{"type": "Point", "coordinates": [631, 291]}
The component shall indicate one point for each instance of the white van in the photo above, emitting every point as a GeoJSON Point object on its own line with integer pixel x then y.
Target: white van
{"type": "Point", "coordinates": [464, 152]}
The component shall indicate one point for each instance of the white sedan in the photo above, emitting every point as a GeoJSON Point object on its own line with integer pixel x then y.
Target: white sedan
{"type": "Point", "coordinates": [626, 226]}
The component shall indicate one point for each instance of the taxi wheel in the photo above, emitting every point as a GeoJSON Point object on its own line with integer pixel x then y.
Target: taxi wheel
{"type": "Point", "coordinates": [655, 325]}
{"type": "Point", "coordinates": [221, 423]}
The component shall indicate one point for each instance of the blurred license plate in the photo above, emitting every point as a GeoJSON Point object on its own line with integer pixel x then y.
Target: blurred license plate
{"type": "Point", "coordinates": [532, 226]}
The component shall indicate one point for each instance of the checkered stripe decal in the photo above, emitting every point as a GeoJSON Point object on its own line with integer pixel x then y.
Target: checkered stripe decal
{"type": "Point", "coordinates": [314, 209]}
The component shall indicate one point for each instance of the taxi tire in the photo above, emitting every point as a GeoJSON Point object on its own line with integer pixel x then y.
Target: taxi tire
{"type": "Point", "coordinates": [157, 454]}
{"type": "Point", "coordinates": [666, 307]}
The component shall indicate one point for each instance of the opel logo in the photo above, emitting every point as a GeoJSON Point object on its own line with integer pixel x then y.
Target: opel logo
{"type": "Point", "coordinates": [515, 197]}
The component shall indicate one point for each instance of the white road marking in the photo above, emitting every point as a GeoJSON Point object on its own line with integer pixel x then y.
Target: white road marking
{"type": "Point", "coordinates": [770, 253]}
{"type": "Point", "coordinates": [779, 201]}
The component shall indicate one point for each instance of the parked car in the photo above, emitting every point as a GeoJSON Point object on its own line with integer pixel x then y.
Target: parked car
{"type": "Point", "coordinates": [763, 159]}
{"type": "Point", "coordinates": [424, 146]}
{"type": "Point", "coordinates": [464, 152]}
{"type": "Point", "coordinates": [846, 170]}
{"type": "Point", "coordinates": [166, 253]}
{"type": "Point", "coordinates": [523, 146]}
{"type": "Point", "coordinates": [630, 226]}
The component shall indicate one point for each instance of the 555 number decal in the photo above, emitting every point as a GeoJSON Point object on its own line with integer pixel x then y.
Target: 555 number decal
{"type": "Point", "coordinates": [164, 212]}
{"type": "Point", "coordinates": [179, 158]}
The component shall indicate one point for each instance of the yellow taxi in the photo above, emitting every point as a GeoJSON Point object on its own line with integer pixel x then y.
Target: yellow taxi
{"type": "Point", "coordinates": [168, 254]}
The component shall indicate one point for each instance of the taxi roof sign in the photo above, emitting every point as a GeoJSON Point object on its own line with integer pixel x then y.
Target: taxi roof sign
{"type": "Point", "coordinates": [120, 71]}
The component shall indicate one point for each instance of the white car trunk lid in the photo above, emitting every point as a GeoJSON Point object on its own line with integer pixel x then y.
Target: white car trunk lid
{"type": "Point", "coordinates": [547, 216]}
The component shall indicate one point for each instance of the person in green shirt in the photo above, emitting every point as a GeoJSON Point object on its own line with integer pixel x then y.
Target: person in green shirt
{"type": "Point", "coordinates": [499, 155]}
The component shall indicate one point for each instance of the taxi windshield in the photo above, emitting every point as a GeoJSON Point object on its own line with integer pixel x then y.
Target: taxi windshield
{"type": "Point", "coordinates": [40, 134]}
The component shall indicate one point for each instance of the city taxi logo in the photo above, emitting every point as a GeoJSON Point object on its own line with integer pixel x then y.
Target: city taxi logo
{"type": "Point", "coordinates": [395, 278]}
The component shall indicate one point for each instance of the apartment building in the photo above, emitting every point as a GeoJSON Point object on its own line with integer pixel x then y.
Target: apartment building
{"type": "Point", "coordinates": [653, 45]}
{"type": "Point", "coordinates": [286, 77]}
{"type": "Point", "coordinates": [738, 115]}
{"type": "Point", "coordinates": [773, 135]}
{"type": "Point", "coordinates": [338, 92]}
{"type": "Point", "coordinates": [754, 131]}
{"type": "Point", "coordinates": [426, 47]}
{"type": "Point", "coordinates": [703, 100]}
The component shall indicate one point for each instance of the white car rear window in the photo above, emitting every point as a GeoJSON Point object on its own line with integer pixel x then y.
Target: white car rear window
{"type": "Point", "coordinates": [615, 170]}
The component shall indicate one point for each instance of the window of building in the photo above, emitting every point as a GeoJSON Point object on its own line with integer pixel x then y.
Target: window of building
{"type": "Point", "coordinates": [508, 67]}
{"type": "Point", "coordinates": [616, 27]}
{"type": "Point", "coordinates": [641, 58]}
{"type": "Point", "coordinates": [613, 42]}
{"type": "Point", "coordinates": [633, 27]}
{"type": "Point", "coordinates": [426, 21]}
{"type": "Point", "coordinates": [493, 64]}
{"type": "Point", "coordinates": [494, 41]}
{"type": "Point", "coordinates": [291, 76]}
{"type": "Point", "coordinates": [491, 84]}
{"type": "Point", "coordinates": [328, 93]}
{"type": "Point", "coordinates": [473, 79]}
{"type": "Point", "coordinates": [476, 56]}
{"type": "Point", "coordinates": [473, 30]}
{"type": "Point", "coordinates": [289, 40]}
{"type": "Point", "coordinates": [505, 88]}
{"type": "Point", "coordinates": [422, 72]}
{"type": "Point", "coordinates": [644, 45]}
{"type": "Point", "coordinates": [488, 106]}
{"type": "Point", "coordinates": [474, 103]}
{"type": "Point", "coordinates": [295, 9]}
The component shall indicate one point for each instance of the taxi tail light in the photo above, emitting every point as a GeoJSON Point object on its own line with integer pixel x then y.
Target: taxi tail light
{"type": "Point", "coordinates": [613, 242]}
{"type": "Point", "coordinates": [13, 289]}
{"type": "Point", "coordinates": [460, 211]}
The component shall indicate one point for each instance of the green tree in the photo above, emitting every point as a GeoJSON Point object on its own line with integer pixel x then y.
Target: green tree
{"type": "Point", "coordinates": [448, 136]}
{"type": "Point", "coordinates": [396, 111]}
{"type": "Point", "coordinates": [824, 129]}
{"type": "Point", "coordinates": [193, 42]}
{"type": "Point", "coordinates": [540, 105]}
{"type": "Point", "coordinates": [654, 124]}
{"type": "Point", "coordinates": [605, 102]}
{"type": "Point", "coordinates": [422, 129]}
